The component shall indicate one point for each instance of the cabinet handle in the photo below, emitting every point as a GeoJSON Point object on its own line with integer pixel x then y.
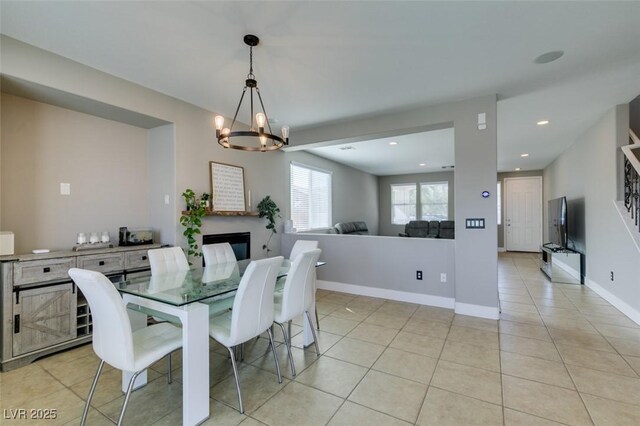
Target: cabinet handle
{"type": "Point", "coordinates": [16, 324]}
{"type": "Point", "coordinates": [144, 257]}
{"type": "Point", "coordinates": [45, 270]}
{"type": "Point", "coordinates": [101, 263]}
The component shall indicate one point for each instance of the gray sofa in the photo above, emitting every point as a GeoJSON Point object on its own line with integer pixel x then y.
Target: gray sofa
{"type": "Point", "coordinates": [429, 229]}
{"type": "Point", "coordinates": [351, 228]}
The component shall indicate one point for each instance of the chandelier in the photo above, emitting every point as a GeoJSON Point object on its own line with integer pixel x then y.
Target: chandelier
{"type": "Point", "coordinates": [260, 140]}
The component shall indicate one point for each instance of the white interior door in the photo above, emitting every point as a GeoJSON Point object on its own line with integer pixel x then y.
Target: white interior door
{"type": "Point", "coordinates": [523, 213]}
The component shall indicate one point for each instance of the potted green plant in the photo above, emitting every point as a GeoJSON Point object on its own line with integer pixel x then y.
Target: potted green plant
{"type": "Point", "coordinates": [192, 221]}
{"type": "Point", "coordinates": [269, 209]}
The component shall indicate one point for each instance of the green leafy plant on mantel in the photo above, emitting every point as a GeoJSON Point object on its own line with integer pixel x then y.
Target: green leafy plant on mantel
{"type": "Point", "coordinates": [269, 209]}
{"type": "Point", "coordinates": [192, 221]}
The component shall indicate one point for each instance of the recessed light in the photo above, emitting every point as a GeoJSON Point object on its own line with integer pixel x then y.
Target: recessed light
{"type": "Point", "coordinates": [524, 155]}
{"type": "Point", "coordinates": [517, 169]}
{"type": "Point", "coordinates": [545, 58]}
{"type": "Point", "coordinates": [542, 122]}
{"type": "Point", "coordinates": [393, 143]}
{"type": "Point", "coordinates": [422, 164]}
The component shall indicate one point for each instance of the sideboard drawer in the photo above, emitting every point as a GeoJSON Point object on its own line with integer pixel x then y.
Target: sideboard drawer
{"type": "Point", "coordinates": [38, 271]}
{"type": "Point", "coordinates": [102, 262]}
{"type": "Point", "coordinates": [136, 259]}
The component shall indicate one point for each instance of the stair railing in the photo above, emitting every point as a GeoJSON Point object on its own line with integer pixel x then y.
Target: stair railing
{"type": "Point", "coordinates": [632, 177]}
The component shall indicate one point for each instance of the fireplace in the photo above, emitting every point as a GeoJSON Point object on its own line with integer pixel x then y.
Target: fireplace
{"type": "Point", "coordinates": [240, 243]}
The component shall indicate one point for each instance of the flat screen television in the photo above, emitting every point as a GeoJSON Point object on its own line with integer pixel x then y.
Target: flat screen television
{"type": "Point", "coordinates": [558, 222]}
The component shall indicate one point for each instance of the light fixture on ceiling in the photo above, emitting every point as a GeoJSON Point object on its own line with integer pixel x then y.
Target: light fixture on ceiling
{"type": "Point", "coordinates": [547, 57]}
{"type": "Point", "coordinates": [524, 155]}
{"type": "Point", "coordinates": [393, 143]}
{"type": "Point", "coordinates": [259, 140]}
{"type": "Point", "coordinates": [518, 169]}
{"type": "Point", "coordinates": [422, 164]}
{"type": "Point", "coordinates": [542, 122]}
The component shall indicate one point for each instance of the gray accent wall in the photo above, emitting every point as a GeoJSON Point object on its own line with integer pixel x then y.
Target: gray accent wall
{"type": "Point", "coordinates": [476, 260]}
{"type": "Point", "coordinates": [586, 174]}
{"type": "Point", "coordinates": [384, 195]}
{"type": "Point", "coordinates": [104, 161]}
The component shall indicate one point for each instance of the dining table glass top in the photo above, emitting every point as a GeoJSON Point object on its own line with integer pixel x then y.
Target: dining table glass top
{"type": "Point", "coordinates": [193, 285]}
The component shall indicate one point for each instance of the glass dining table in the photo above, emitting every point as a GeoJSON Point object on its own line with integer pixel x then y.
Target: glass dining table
{"type": "Point", "coordinates": [188, 296]}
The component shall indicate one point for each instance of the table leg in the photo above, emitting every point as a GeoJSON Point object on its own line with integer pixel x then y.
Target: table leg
{"type": "Point", "coordinates": [195, 364]}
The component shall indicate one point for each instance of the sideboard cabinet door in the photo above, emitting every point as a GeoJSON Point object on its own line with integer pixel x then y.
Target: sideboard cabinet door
{"type": "Point", "coordinates": [43, 317]}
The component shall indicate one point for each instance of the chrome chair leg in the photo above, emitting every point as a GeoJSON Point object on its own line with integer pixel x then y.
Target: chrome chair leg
{"type": "Point", "coordinates": [289, 329]}
{"type": "Point", "coordinates": [235, 374]}
{"type": "Point", "coordinates": [275, 354]}
{"type": "Point", "coordinates": [317, 320]}
{"type": "Point", "coordinates": [170, 375]}
{"type": "Point", "coordinates": [313, 331]}
{"type": "Point", "coordinates": [126, 397]}
{"type": "Point", "coordinates": [91, 391]}
{"type": "Point", "coordinates": [287, 342]}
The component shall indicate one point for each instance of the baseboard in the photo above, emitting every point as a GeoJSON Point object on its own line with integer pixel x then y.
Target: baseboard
{"type": "Point", "coordinates": [502, 250]}
{"type": "Point", "coordinates": [477, 310]}
{"type": "Point", "coordinates": [384, 293]}
{"type": "Point", "coordinates": [617, 303]}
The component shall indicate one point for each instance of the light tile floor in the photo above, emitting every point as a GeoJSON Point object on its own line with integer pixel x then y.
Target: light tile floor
{"type": "Point", "coordinates": [559, 355]}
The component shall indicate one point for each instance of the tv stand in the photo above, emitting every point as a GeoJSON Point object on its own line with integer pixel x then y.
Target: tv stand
{"type": "Point", "coordinates": [561, 265]}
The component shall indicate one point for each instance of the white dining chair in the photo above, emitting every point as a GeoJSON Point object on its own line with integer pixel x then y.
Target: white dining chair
{"type": "Point", "coordinates": [297, 297]}
{"type": "Point", "coordinates": [113, 340]}
{"type": "Point", "coordinates": [167, 260]}
{"type": "Point", "coordinates": [252, 313]}
{"type": "Point", "coordinates": [300, 246]}
{"type": "Point", "coordinates": [218, 253]}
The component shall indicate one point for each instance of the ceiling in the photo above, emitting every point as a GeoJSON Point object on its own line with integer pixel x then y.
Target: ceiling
{"type": "Point", "coordinates": [434, 150]}
{"type": "Point", "coordinates": [321, 62]}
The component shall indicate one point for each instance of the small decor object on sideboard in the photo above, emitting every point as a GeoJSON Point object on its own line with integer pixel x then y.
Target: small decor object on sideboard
{"type": "Point", "coordinates": [135, 237]}
{"type": "Point", "coordinates": [269, 209]}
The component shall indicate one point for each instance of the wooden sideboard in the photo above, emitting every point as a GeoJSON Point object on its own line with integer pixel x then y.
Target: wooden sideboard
{"type": "Point", "coordinates": [42, 310]}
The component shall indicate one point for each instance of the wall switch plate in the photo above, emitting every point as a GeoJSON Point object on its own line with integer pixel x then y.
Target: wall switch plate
{"type": "Point", "coordinates": [65, 189]}
{"type": "Point", "coordinates": [474, 223]}
{"type": "Point", "coordinates": [418, 275]}
{"type": "Point", "coordinates": [482, 121]}
{"type": "Point", "coordinates": [443, 277]}
{"type": "Point", "coordinates": [166, 199]}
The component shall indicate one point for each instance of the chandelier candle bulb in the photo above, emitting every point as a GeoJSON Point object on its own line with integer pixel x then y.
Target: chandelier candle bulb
{"type": "Point", "coordinates": [261, 119]}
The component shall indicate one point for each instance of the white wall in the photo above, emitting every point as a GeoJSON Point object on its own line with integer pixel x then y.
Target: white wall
{"type": "Point", "coordinates": [586, 174]}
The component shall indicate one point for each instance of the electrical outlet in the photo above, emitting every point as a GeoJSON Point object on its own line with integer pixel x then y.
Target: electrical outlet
{"type": "Point", "coordinates": [418, 275]}
{"type": "Point", "coordinates": [443, 277]}
{"type": "Point", "coordinates": [611, 276]}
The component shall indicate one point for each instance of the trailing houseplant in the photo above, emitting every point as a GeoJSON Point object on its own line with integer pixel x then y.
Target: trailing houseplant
{"type": "Point", "coordinates": [192, 221]}
{"type": "Point", "coordinates": [269, 209]}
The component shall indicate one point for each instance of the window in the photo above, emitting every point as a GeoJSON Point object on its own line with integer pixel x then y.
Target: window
{"type": "Point", "coordinates": [310, 197]}
{"type": "Point", "coordinates": [499, 197]}
{"type": "Point", "coordinates": [434, 201]}
{"type": "Point", "coordinates": [403, 203]}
